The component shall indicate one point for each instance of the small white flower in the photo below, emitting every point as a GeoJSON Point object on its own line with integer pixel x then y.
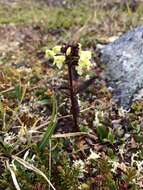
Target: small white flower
{"type": "Point", "coordinates": [139, 164]}
{"type": "Point", "coordinates": [24, 108]}
{"type": "Point", "coordinates": [93, 156]}
{"type": "Point", "coordinates": [114, 164]}
{"type": "Point", "coordinates": [122, 112]}
{"type": "Point", "coordinates": [80, 166]}
{"type": "Point", "coordinates": [9, 138]}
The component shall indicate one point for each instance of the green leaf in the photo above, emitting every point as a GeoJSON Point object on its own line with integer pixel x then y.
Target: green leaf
{"type": "Point", "coordinates": [18, 92]}
{"type": "Point", "coordinates": [102, 132]}
{"type": "Point", "coordinates": [43, 102]}
{"type": "Point", "coordinates": [138, 138]}
{"type": "Point", "coordinates": [111, 154]}
{"type": "Point", "coordinates": [111, 183]}
{"type": "Point", "coordinates": [50, 128]}
{"type": "Point", "coordinates": [111, 137]}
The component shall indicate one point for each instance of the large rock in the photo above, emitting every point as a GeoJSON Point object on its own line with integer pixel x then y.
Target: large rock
{"type": "Point", "coordinates": [124, 60]}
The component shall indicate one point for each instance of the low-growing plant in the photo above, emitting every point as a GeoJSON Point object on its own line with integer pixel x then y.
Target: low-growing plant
{"type": "Point", "coordinates": [78, 62]}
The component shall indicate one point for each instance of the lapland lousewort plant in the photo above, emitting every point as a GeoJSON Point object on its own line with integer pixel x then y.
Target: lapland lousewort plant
{"type": "Point", "coordinates": [84, 62]}
{"type": "Point", "coordinates": [78, 63]}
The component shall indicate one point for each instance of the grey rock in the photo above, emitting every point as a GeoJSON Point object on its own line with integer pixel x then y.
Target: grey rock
{"type": "Point", "coordinates": [124, 66]}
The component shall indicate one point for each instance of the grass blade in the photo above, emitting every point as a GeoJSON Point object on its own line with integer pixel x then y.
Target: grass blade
{"type": "Point", "coordinates": [33, 168]}
{"type": "Point", "coordinates": [1, 109]}
{"type": "Point", "coordinates": [15, 182]}
{"type": "Point", "coordinates": [50, 128]}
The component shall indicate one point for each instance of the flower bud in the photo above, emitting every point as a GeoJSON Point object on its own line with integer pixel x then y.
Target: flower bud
{"type": "Point", "coordinates": [68, 51]}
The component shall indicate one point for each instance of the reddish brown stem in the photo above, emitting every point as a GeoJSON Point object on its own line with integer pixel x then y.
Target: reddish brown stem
{"type": "Point", "coordinates": [74, 102]}
{"type": "Point", "coordinates": [72, 61]}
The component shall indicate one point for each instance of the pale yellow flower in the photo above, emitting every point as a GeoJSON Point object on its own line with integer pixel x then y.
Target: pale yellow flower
{"type": "Point", "coordinates": [49, 54]}
{"type": "Point", "coordinates": [58, 61]}
{"type": "Point", "coordinates": [84, 65]}
{"type": "Point", "coordinates": [85, 55]}
{"type": "Point", "coordinates": [57, 49]}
